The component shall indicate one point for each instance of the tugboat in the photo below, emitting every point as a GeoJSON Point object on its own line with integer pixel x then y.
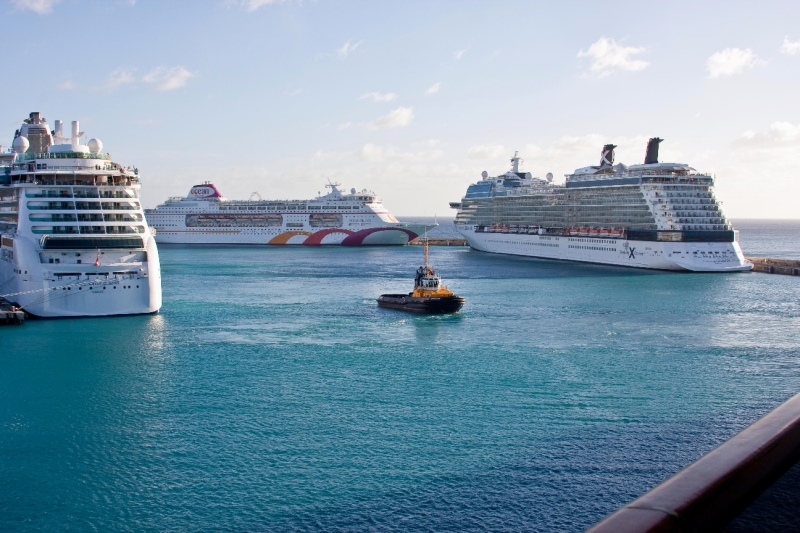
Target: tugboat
{"type": "Point", "coordinates": [429, 295]}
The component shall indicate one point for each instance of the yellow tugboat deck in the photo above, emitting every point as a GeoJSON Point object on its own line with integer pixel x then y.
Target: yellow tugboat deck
{"type": "Point", "coordinates": [439, 292]}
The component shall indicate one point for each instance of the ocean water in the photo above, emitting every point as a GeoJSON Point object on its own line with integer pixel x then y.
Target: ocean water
{"type": "Point", "coordinates": [271, 394]}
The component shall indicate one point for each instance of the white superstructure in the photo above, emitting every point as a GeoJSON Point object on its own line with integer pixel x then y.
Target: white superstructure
{"type": "Point", "coordinates": [654, 215]}
{"type": "Point", "coordinates": [205, 216]}
{"type": "Point", "coordinates": [74, 241]}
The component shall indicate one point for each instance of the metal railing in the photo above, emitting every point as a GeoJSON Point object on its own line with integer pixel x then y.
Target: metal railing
{"type": "Point", "coordinates": [30, 156]}
{"type": "Point", "coordinates": [709, 493]}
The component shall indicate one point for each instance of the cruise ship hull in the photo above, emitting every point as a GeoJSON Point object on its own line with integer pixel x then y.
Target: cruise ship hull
{"type": "Point", "coordinates": [113, 287]}
{"type": "Point", "coordinates": [677, 256]}
{"type": "Point", "coordinates": [307, 236]}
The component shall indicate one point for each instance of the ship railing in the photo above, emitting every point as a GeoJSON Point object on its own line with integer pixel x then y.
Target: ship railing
{"type": "Point", "coordinates": [80, 194]}
{"type": "Point", "coordinates": [77, 179]}
{"type": "Point", "coordinates": [638, 174]}
{"type": "Point", "coordinates": [30, 156]}
{"type": "Point", "coordinates": [73, 168]}
{"type": "Point", "coordinates": [711, 492]}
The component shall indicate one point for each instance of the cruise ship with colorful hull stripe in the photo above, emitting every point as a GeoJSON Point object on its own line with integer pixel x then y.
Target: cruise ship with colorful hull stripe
{"type": "Point", "coordinates": [205, 216]}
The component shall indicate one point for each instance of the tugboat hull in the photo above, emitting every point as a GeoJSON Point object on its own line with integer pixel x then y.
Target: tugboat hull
{"type": "Point", "coordinates": [404, 302]}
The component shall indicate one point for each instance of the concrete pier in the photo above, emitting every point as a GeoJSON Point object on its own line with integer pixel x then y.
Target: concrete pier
{"type": "Point", "coordinates": [775, 266]}
{"type": "Point", "coordinates": [10, 314]}
{"type": "Point", "coordinates": [440, 242]}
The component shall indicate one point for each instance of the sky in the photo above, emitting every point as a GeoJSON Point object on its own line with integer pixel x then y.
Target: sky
{"type": "Point", "coordinates": [413, 99]}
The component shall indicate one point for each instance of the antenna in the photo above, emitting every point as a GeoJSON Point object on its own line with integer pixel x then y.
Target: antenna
{"type": "Point", "coordinates": [425, 247]}
{"type": "Point", "coordinates": [255, 193]}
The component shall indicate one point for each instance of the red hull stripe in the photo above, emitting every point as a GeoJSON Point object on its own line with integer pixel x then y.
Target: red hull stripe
{"type": "Point", "coordinates": [316, 238]}
{"type": "Point", "coordinates": [357, 239]}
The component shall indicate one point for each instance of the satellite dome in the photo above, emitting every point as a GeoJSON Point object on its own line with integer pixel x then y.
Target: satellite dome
{"type": "Point", "coordinates": [20, 145]}
{"type": "Point", "coordinates": [353, 190]}
{"type": "Point", "coordinates": [95, 145]}
{"type": "Point", "coordinates": [484, 174]}
{"type": "Point", "coordinates": [549, 176]}
{"type": "Point", "coordinates": [527, 175]}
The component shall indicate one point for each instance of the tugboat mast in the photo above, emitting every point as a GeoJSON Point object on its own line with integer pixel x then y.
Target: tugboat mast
{"type": "Point", "coordinates": [425, 248]}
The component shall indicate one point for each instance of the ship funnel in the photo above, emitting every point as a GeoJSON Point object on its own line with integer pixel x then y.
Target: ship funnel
{"type": "Point", "coordinates": [652, 151]}
{"type": "Point", "coordinates": [607, 156]}
{"type": "Point", "coordinates": [75, 136]}
{"type": "Point", "coordinates": [59, 130]}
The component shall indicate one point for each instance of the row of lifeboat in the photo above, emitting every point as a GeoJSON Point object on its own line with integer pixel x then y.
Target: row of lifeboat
{"type": "Point", "coordinates": [607, 233]}
{"type": "Point", "coordinates": [514, 228]}
{"type": "Point", "coordinates": [596, 232]}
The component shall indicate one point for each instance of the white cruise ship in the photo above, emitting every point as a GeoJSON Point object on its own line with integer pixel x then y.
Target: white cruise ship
{"type": "Point", "coordinates": [654, 215]}
{"type": "Point", "coordinates": [74, 238]}
{"type": "Point", "coordinates": [207, 217]}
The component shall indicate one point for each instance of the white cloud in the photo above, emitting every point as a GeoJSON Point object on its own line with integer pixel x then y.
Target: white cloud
{"type": "Point", "coordinates": [570, 152]}
{"type": "Point", "coordinates": [373, 153]}
{"type": "Point", "coordinates": [344, 126]}
{"type": "Point", "coordinates": [378, 154]}
{"type": "Point", "coordinates": [347, 48]}
{"type": "Point", "coordinates": [119, 77]}
{"type": "Point", "coordinates": [167, 79]}
{"type": "Point", "coordinates": [459, 54]}
{"type": "Point", "coordinates": [608, 56]}
{"type": "Point", "coordinates": [756, 172]}
{"type": "Point", "coordinates": [778, 134]}
{"type": "Point", "coordinates": [790, 47]}
{"type": "Point", "coordinates": [323, 156]}
{"type": "Point", "coordinates": [731, 61]}
{"type": "Point", "coordinates": [486, 151]}
{"type": "Point", "coordinates": [66, 86]}
{"type": "Point", "coordinates": [378, 97]}
{"type": "Point", "coordinates": [433, 89]}
{"type": "Point", "coordinates": [38, 6]}
{"type": "Point", "coordinates": [399, 118]}
{"type": "Point", "coordinates": [252, 5]}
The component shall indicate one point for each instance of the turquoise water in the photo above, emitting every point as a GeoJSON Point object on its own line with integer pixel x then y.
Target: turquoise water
{"type": "Point", "coordinates": [271, 394]}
